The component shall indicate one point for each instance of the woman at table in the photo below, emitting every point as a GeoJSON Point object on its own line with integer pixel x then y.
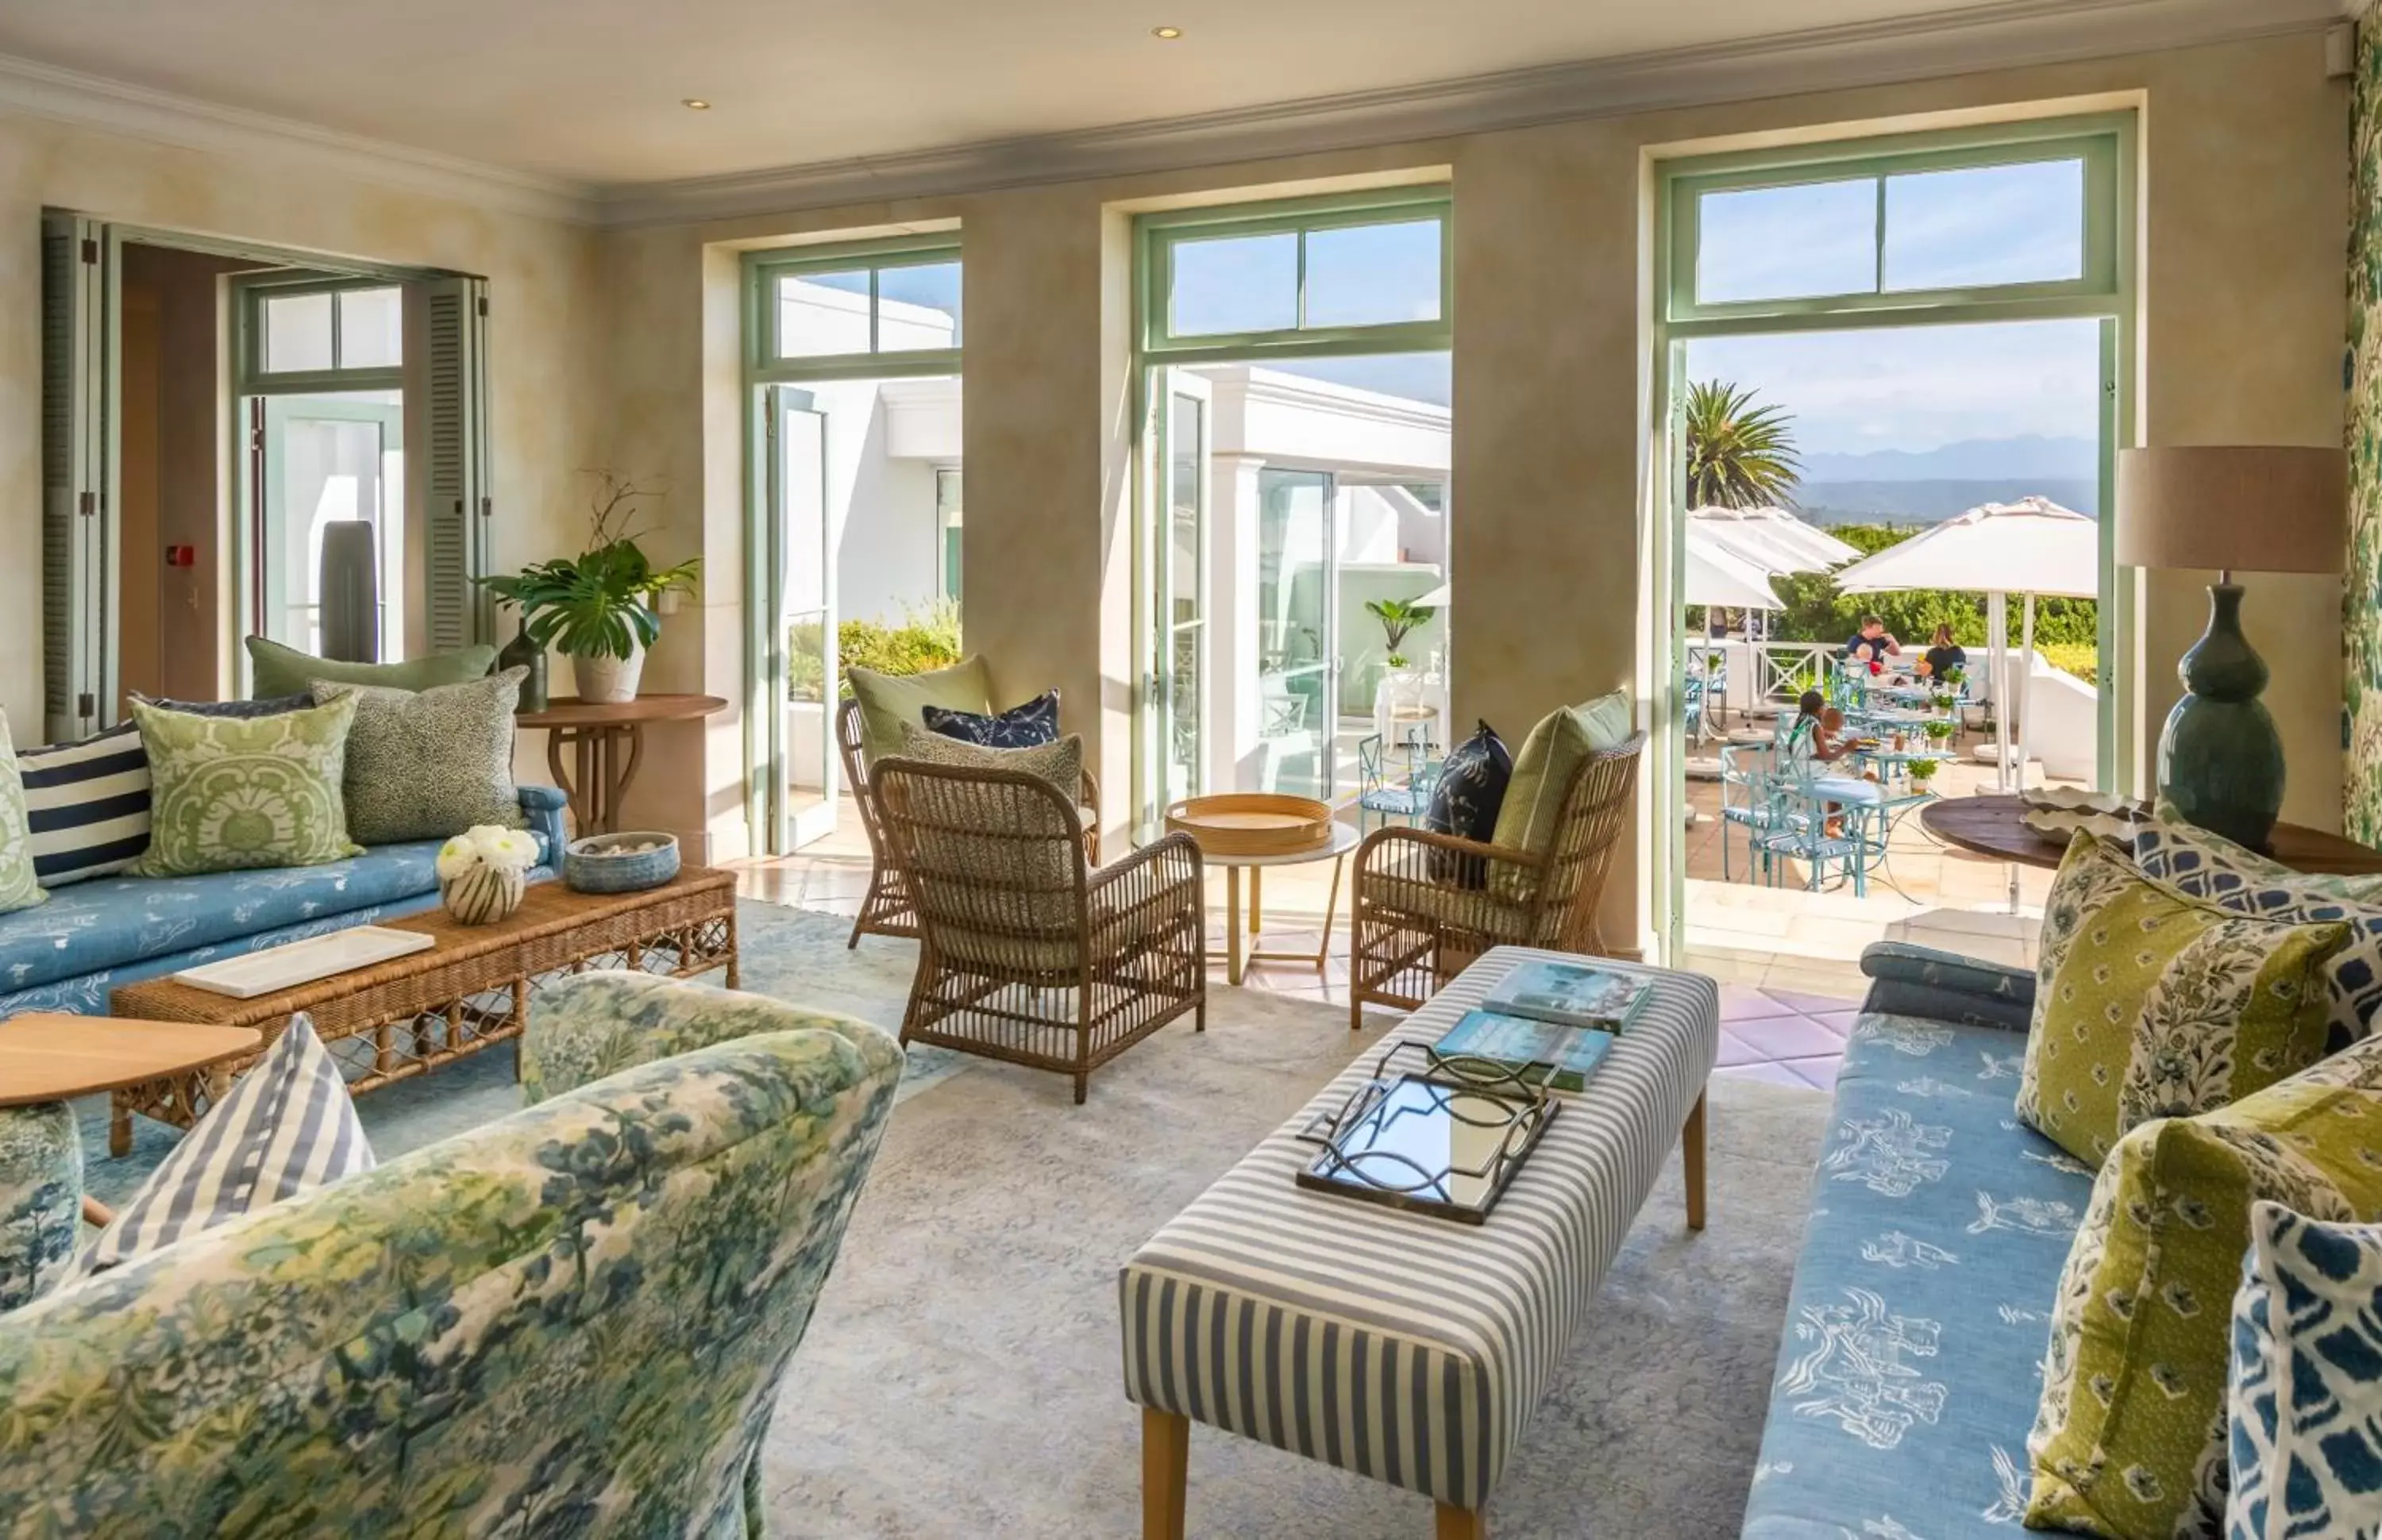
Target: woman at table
{"type": "Point", "coordinates": [1944, 655]}
{"type": "Point", "coordinates": [1817, 739]}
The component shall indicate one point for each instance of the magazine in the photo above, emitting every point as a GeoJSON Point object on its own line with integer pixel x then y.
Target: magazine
{"type": "Point", "coordinates": [1544, 1053]}
{"type": "Point", "coordinates": [1571, 994]}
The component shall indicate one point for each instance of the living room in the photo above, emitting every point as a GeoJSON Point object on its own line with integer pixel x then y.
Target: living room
{"type": "Point", "coordinates": [1024, 1047]}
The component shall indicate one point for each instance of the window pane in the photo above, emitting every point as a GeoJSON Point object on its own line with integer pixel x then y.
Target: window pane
{"type": "Point", "coordinates": [1236, 284]}
{"type": "Point", "coordinates": [918, 308]}
{"type": "Point", "coordinates": [823, 314]}
{"type": "Point", "coordinates": [1373, 275]}
{"type": "Point", "coordinates": [1787, 242]}
{"type": "Point", "coordinates": [1992, 225]}
{"type": "Point", "coordinates": [371, 332]}
{"type": "Point", "coordinates": [297, 333]}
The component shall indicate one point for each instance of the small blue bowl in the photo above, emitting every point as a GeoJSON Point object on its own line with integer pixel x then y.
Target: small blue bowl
{"type": "Point", "coordinates": [612, 863]}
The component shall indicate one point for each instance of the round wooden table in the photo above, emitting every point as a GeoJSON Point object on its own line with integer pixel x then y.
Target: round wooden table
{"type": "Point", "coordinates": [1995, 826]}
{"type": "Point", "coordinates": [607, 739]}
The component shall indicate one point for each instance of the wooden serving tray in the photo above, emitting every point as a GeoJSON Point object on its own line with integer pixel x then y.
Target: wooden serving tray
{"type": "Point", "coordinates": [1253, 823]}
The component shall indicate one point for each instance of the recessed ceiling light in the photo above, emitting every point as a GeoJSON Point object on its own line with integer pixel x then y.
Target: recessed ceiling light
{"type": "Point", "coordinates": [697, 103]}
{"type": "Point", "coordinates": [1166, 34]}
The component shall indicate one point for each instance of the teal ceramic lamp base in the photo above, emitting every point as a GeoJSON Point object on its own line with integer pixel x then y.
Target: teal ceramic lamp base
{"type": "Point", "coordinates": [2220, 761]}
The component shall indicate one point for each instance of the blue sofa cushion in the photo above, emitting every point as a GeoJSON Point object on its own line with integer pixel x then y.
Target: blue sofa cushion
{"type": "Point", "coordinates": [1909, 1371]}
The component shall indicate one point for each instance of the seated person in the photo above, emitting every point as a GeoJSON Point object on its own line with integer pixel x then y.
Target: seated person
{"type": "Point", "coordinates": [1944, 655]}
{"type": "Point", "coordinates": [1872, 644]}
{"type": "Point", "coordinates": [1817, 737]}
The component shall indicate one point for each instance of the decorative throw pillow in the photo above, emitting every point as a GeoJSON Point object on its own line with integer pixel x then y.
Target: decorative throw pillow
{"type": "Point", "coordinates": [1465, 800]}
{"type": "Point", "coordinates": [277, 670]}
{"type": "Point", "coordinates": [958, 827]}
{"type": "Point", "coordinates": [2209, 866]}
{"type": "Point", "coordinates": [2149, 1004]}
{"type": "Point", "coordinates": [21, 886]}
{"type": "Point", "coordinates": [1553, 752]}
{"type": "Point", "coordinates": [890, 701]}
{"type": "Point", "coordinates": [87, 804]}
{"type": "Point", "coordinates": [232, 794]}
{"type": "Point", "coordinates": [287, 1127]}
{"type": "Point", "coordinates": [273, 705]}
{"type": "Point", "coordinates": [2304, 1403]}
{"type": "Point", "coordinates": [432, 764]}
{"type": "Point", "coordinates": [1060, 762]}
{"type": "Point", "coordinates": [1035, 722]}
{"type": "Point", "coordinates": [2129, 1441]}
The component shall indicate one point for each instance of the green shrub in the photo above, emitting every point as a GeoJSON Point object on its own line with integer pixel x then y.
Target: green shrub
{"type": "Point", "coordinates": [2079, 658]}
{"type": "Point", "coordinates": [923, 641]}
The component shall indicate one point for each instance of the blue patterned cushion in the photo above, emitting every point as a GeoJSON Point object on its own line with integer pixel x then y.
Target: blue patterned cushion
{"type": "Point", "coordinates": [2307, 1399]}
{"type": "Point", "coordinates": [2208, 866]}
{"type": "Point", "coordinates": [1465, 801]}
{"type": "Point", "coordinates": [1938, 1226]}
{"type": "Point", "coordinates": [287, 1127]}
{"type": "Point", "coordinates": [1026, 727]}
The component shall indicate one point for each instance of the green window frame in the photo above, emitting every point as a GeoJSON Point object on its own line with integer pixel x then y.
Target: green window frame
{"type": "Point", "coordinates": [2103, 145]}
{"type": "Point", "coordinates": [254, 312]}
{"type": "Point", "coordinates": [764, 269]}
{"type": "Point", "coordinates": [1160, 235]}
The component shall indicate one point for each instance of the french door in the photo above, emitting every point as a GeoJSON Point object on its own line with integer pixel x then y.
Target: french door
{"type": "Point", "coordinates": [1297, 632]}
{"type": "Point", "coordinates": [1174, 706]}
{"type": "Point", "coordinates": [800, 771]}
{"type": "Point", "coordinates": [316, 461]}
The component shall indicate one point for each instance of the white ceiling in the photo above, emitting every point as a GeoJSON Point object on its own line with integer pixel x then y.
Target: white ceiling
{"type": "Point", "coordinates": [588, 91]}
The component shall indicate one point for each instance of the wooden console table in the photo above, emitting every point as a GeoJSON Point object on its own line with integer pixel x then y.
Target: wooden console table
{"type": "Point", "coordinates": [608, 741]}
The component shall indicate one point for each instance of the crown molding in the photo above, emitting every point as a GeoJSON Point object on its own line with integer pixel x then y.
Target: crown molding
{"type": "Point", "coordinates": [2006, 34]}
{"type": "Point", "coordinates": [36, 89]}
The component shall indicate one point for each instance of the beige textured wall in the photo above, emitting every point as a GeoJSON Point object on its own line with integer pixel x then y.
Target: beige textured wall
{"type": "Point", "coordinates": [551, 402]}
{"type": "Point", "coordinates": [2242, 319]}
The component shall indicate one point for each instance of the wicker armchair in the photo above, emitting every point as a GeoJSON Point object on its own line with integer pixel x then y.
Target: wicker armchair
{"type": "Point", "coordinates": [887, 910]}
{"type": "Point", "coordinates": [1428, 903]}
{"type": "Point", "coordinates": [1031, 954]}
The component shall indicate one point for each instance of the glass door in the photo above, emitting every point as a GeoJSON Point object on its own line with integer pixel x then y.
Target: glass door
{"type": "Point", "coordinates": [1298, 674]}
{"type": "Point", "coordinates": [320, 460]}
{"type": "Point", "coordinates": [803, 777]}
{"type": "Point", "coordinates": [1177, 697]}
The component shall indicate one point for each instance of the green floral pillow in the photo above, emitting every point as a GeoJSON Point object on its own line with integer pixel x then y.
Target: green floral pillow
{"type": "Point", "coordinates": [20, 889]}
{"type": "Point", "coordinates": [2129, 1440]}
{"type": "Point", "coordinates": [233, 794]}
{"type": "Point", "coordinates": [2149, 1004]}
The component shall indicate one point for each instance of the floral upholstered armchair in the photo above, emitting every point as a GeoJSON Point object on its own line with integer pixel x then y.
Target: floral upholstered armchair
{"type": "Point", "coordinates": [571, 1321]}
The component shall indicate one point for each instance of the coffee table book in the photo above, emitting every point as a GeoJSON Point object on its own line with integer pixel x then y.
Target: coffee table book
{"type": "Point", "coordinates": [1550, 1054]}
{"type": "Point", "coordinates": [1570, 994]}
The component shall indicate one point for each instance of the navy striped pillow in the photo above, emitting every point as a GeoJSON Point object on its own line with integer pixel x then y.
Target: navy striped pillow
{"type": "Point", "coordinates": [88, 806]}
{"type": "Point", "coordinates": [287, 1127]}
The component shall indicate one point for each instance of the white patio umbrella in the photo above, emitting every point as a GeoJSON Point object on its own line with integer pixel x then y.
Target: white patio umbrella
{"type": "Point", "coordinates": [1773, 537]}
{"type": "Point", "coordinates": [1718, 577]}
{"type": "Point", "coordinates": [2028, 547]}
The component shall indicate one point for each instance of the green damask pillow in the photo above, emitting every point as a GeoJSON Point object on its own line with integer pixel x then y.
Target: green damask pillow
{"type": "Point", "coordinates": [20, 889]}
{"type": "Point", "coordinates": [232, 794]}
{"type": "Point", "coordinates": [2149, 1004]}
{"type": "Point", "coordinates": [433, 763]}
{"type": "Point", "coordinates": [2129, 1441]}
{"type": "Point", "coordinates": [277, 670]}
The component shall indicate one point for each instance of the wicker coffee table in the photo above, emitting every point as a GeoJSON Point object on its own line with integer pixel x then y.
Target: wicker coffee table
{"type": "Point", "coordinates": [468, 991]}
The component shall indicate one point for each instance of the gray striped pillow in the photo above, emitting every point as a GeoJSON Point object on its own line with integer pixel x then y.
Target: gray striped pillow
{"type": "Point", "coordinates": [288, 1126]}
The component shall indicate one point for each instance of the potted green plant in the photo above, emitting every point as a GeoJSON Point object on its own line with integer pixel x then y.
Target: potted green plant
{"type": "Point", "coordinates": [1937, 731]}
{"type": "Point", "coordinates": [1922, 771]}
{"type": "Point", "coordinates": [596, 608]}
{"type": "Point", "coordinates": [1398, 619]}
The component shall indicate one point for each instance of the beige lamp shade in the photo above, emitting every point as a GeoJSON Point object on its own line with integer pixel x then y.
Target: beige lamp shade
{"type": "Point", "coordinates": [2254, 508]}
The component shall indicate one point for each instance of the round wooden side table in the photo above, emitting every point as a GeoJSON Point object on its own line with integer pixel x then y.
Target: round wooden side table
{"type": "Point", "coordinates": [1994, 826]}
{"type": "Point", "coordinates": [607, 739]}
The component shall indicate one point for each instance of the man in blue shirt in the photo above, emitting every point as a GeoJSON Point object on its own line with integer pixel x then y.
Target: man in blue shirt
{"type": "Point", "coordinates": [1871, 643]}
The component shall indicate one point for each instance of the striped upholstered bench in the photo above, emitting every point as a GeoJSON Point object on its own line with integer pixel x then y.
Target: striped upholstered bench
{"type": "Point", "coordinates": [1404, 1347]}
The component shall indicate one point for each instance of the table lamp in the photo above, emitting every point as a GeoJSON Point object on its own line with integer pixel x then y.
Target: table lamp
{"type": "Point", "coordinates": [2230, 508]}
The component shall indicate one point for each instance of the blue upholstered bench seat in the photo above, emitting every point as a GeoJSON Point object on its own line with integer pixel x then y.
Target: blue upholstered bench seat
{"type": "Point", "coordinates": [1909, 1370]}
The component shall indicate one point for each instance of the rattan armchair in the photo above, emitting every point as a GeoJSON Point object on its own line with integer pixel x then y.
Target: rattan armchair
{"type": "Point", "coordinates": [1028, 952]}
{"type": "Point", "coordinates": [1428, 903]}
{"type": "Point", "coordinates": [887, 910]}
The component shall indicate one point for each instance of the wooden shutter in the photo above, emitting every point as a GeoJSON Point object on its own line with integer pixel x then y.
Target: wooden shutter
{"type": "Point", "coordinates": [79, 691]}
{"type": "Point", "coordinates": [457, 504]}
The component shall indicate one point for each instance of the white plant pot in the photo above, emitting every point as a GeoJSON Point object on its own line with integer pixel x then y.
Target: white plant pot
{"type": "Point", "coordinates": [609, 681]}
{"type": "Point", "coordinates": [484, 894]}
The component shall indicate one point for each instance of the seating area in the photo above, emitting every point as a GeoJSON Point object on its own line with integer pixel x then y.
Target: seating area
{"type": "Point", "coordinates": [1046, 772]}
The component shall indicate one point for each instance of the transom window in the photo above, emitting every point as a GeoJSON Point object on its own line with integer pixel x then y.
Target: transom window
{"type": "Point", "coordinates": [2029, 217]}
{"type": "Point", "coordinates": [312, 331]}
{"type": "Point", "coordinates": [1371, 272]}
{"type": "Point", "coordinates": [850, 312]}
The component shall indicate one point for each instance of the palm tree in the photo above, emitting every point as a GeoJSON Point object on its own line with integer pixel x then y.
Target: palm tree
{"type": "Point", "coordinates": [1739, 455]}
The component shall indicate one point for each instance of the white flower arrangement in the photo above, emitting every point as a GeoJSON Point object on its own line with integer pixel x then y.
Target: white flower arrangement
{"type": "Point", "coordinates": [486, 845]}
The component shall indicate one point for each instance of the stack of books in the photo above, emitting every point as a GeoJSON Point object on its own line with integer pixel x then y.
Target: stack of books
{"type": "Point", "coordinates": [1549, 1022]}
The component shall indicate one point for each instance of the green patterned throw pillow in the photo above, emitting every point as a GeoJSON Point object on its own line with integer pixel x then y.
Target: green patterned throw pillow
{"type": "Point", "coordinates": [234, 794]}
{"type": "Point", "coordinates": [20, 889]}
{"type": "Point", "coordinates": [2149, 1004]}
{"type": "Point", "coordinates": [429, 766]}
{"type": "Point", "coordinates": [2129, 1440]}
{"type": "Point", "coordinates": [275, 669]}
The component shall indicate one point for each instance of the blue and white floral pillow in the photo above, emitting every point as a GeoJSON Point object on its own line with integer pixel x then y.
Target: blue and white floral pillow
{"type": "Point", "coordinates": [1026, 727]}
{"type": "Point", "coordinates": [2305, 1407]}
{"type": "Point", "coordinates": [2207, 866]}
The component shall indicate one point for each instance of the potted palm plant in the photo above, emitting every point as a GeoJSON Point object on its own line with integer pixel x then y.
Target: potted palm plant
{"type": "Point", "coordinates": [1398, 618]}
{"type": "Point", "coordinates": [597, 609]}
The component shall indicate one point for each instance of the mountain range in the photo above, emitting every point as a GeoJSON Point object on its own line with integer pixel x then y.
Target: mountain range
{"type": "Point", "coordinates": [1926, 487]}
